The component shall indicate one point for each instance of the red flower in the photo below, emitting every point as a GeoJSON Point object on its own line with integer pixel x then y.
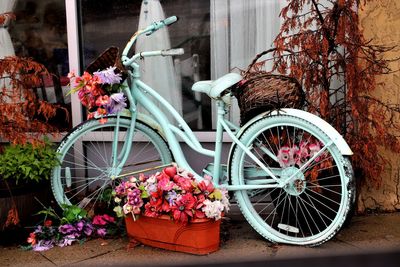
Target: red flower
{"type": "Point", "coordinates": [32, 239]}
{"type": "Point", "coordinates": [47, 223]}
{"type": "Point", "coordinates": [183, 208]}
{"type": "Point", "coordinates": [198, 213]}
{"type": "Point", "coordinates": [156, 198]}
{"type": "Point", "coordinates": [206, 186]}
{"type": "Point", "coordinates": [151, 210]}
{"type": "Point", "coordinates": [165, 207]}
{"type": "Point", "coordinates": [170, 171]}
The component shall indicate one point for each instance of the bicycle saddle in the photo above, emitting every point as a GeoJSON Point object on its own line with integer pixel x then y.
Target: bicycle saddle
{"type": "Point", "coordinates": [214, 88]}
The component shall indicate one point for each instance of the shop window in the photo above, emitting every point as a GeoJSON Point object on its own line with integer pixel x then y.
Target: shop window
{"type": "Point", "coordinates": [111, 23]}
{"type": "Point", "coordinates": [39, 32]}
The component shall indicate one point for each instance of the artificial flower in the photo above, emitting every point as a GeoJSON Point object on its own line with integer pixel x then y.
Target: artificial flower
{"type": "Point", "coordinates": [173, 192]}
{"type": "Point", "coordinates": [183, 208]}
{"type": "Point", "coordinates": [108, 76]}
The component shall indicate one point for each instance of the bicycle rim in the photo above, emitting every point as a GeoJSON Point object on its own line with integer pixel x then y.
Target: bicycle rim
{"type": "Point", "coordinates": [314, 204]}
{"type": "Point", "coordinates": [83, 178]}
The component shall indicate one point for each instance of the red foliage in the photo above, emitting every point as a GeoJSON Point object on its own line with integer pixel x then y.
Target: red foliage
{"type": "Point", "coordinates": [19, 106]}
{"type": "Point", "coordinates": [321, 44]}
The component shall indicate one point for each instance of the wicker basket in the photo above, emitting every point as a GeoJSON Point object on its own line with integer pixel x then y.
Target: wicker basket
{"type": "Point", "coordinates": [109, 58]}
{"type": "Point", "coordinates": [260, 91]}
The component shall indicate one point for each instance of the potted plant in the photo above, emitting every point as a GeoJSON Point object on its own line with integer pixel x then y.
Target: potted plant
{"type": "Point", "coordinates": [24, 170]}
{"type": "Point", "coordinates": [172, 210]}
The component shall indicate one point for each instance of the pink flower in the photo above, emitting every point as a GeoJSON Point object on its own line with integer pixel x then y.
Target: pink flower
{"type": "Point", "coordinates": [314, 149]}
{"type": "Point", "coordinates": [184, 182]}
{"type": "Point", "coordinates": [103, 219]}
{"type": "Point", "coordinates": [302, 154]}
{"type": "Point", "coordinates": [206, 186]}
{"type": "Point", "coordinates": [102, 232]}
{"type": "Point", "coordinates": [284, 156]}
{"type": "Point", "coordinates": [165, 184]}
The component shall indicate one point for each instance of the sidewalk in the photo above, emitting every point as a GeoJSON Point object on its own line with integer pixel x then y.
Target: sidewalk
{"type": "Point", "coordinates": [372, 240]}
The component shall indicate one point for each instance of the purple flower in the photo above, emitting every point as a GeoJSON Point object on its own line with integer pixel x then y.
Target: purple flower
{"type": "Point", "coordinates": [120, 189]}
{"type": "Point", "coordinates": [66, 229]}
{"type": "Point", "coordinates": [116, 104]}
{"type": "Point", "coordinates": [79, 225]}
{"type": "Point", "coordinates": [43, 245]}
{"type": "Point", "coordinates": [38, 230]}
{"type": "Point", "coordinates": [171, 197]}
{"type": "Point", "coordinates": [108, 76]}
{"type": "Point", "coordinates": [88, 230]}
{"type": "Point", "coordinates": [134, 198]}
{"type": "Point", "coordinates": [101, 232]}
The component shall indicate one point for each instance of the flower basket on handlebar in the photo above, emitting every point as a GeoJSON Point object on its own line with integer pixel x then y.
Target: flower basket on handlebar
{"type": "Point", "coordinates": [260, 91]}
{"type": "Point", "coordinates": [100, 87]}
{"type": "Point", "coordinates": [109, 57]}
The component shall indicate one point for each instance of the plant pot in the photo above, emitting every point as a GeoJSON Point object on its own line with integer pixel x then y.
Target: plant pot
{"type": "Point", "coordinates": [200, 236]}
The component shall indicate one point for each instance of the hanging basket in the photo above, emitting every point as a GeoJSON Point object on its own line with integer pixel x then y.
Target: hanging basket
{"type": "Point", "coordinates": [109, 58]}
{"type": "Point", "coordinates": [260, 91]}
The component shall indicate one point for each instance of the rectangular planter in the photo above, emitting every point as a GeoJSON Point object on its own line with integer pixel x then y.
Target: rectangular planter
{"type": "Point", "coordinates": [201, 236]}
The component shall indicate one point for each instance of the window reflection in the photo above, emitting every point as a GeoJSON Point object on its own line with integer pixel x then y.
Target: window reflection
{"type": "Point", "coordinates": [111, 23]}
{"type": "Point", "coordinates": [40, 32]}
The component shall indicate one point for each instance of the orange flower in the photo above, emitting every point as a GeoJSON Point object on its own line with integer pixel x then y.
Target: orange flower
{"type": "Point", "coordinates": [32, 239]}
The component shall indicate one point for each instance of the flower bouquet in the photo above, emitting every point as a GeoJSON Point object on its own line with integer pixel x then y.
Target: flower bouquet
{"type": "Point", "coordinates": [100, 92]}
{"type": "Point", "coordinates": [74, 227]}
{"type": "Point", "coordinates": [171, 210]}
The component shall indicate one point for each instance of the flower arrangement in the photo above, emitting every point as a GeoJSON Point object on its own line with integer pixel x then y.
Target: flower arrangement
{"type": "Point", "coordinates": [100, 92]}
{"type": "Point", "coordinates": [173, 192]}
{"type": "Point", "coordinates": [75, 226]}
{"type": "Point", "coordinates": [298, 155]}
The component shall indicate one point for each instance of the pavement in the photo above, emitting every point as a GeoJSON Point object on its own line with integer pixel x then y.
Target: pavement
{"type": "Point", "coordinates": [369, 240]}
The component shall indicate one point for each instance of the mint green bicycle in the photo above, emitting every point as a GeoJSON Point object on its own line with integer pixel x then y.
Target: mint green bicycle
{"type": "Point", "coordinates": [289, 170]}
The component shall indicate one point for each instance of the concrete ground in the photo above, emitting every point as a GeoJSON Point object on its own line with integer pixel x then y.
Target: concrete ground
{"type": "Point", "coordinates": [371, 240]}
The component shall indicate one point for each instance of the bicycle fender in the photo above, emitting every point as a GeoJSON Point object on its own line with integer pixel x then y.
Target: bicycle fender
{"type": "Point", "coordinates": [313, 119]}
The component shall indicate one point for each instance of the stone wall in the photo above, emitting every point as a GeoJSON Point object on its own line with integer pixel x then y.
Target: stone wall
{"type": "Point", "coordinates": [380, 21]}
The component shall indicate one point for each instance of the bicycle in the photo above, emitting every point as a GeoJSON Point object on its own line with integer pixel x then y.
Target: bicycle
{"type": "Point", "coordinates": [289, 170]}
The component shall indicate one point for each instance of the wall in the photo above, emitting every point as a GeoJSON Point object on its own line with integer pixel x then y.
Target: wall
{"type": "Point", "coordinates": [381, 22]}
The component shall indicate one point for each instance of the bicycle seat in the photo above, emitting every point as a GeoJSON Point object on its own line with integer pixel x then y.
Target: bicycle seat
{"type": "Point", "coordinates": [214, 88]}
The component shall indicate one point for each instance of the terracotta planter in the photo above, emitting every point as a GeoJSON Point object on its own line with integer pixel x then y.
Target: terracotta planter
{"type": "Point", "coordinates": [200, 236]}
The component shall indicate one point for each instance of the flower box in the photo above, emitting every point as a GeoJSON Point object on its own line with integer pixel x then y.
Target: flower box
{"type": "Point", "coordinates": [199, 236]}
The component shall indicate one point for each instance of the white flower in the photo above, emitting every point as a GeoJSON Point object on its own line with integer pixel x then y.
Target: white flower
{"type": "Point", "coordinates": [213, 209]}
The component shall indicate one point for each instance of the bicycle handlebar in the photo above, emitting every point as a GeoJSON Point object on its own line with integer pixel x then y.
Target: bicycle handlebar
{"type": "Point", "coordinates": [148, 31]}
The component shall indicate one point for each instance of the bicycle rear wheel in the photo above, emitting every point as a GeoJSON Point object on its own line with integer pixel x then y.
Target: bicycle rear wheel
{"type": "Point", "coordinates": [313, 205]}
{"type": "Point", "coordinates": [83, 178]}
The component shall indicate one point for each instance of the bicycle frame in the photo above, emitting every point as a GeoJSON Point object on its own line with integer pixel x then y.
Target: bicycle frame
{"type": "Point", "coordinates": [138, 94]}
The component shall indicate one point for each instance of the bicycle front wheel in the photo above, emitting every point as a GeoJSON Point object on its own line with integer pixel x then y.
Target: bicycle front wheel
{"type": "Point", "coordinates": [84, 175]}
{"type": "Point", "coordinates": [316, 198]}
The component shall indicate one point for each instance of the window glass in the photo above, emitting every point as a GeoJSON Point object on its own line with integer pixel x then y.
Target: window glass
{"type": "Point", "coordinates": [112, 23]}
{"type": "Point", "coordinates": [39, 32]}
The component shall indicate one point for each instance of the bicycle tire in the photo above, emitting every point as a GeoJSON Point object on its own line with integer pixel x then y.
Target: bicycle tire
{"type": "Point", "coordinates": [73, 181]}
{"type": "Point", "coordinates": [311, 209]}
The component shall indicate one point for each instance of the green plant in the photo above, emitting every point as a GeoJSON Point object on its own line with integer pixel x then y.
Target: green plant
{"type": "Point", "coordinates": [28, 162]}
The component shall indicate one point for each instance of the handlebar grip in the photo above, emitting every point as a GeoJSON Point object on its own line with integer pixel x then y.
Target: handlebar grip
{"type": "Point", "coordinates": [173, 52]}
{"type": "Point", "coordinates": [168, 21]}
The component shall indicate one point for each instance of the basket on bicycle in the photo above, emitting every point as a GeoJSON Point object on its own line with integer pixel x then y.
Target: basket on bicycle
{"type": "Point", "coordinates": [108, 58]}
{"type": "Point", "coordinates": [261, 91]}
